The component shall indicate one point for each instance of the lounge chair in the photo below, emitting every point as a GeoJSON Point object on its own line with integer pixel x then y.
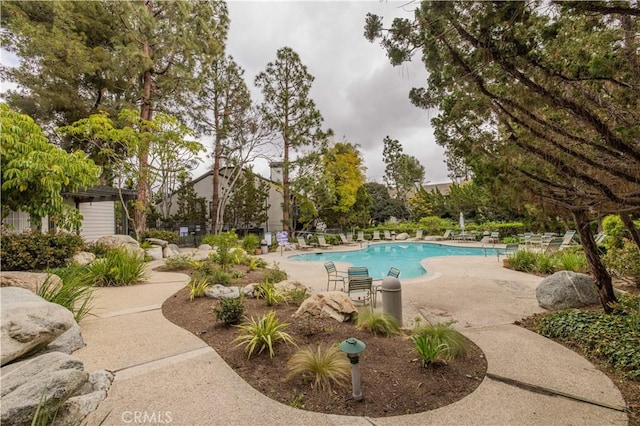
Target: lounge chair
{"type": "Point", "coordinates": [323, 243]}
{"type": "Point", "coordinates": [567, 239]}
{"type": "Point", "coordinates": [447, 234]}
{"type": "Point", "coordinates": [509, 249]}
{"type": "Point", "coordinates": [599, 238]}
{"type": "Point", "coordinates": [376, 236]}
{"type": "Point", "coordinates": [495, 237]}
{"type": "Point", "coordinates": [534, 241]}
{"type": "Point", "coordinates": [302, 244]}
{"type": "Point", "coordinates": [345, 240]}
{"type": "Point", "coordinates": [360, 238]}
{"type": "Point", "coordinates": [358, 280]}
{"type": "Point", "coordinates": [334, 276]}
{"type": "Point", "coordinates": [553, 246]}
{"type": "Point", "coordinates": [387, 235]}
{"type": "Point", "coordinates": [418, 235]}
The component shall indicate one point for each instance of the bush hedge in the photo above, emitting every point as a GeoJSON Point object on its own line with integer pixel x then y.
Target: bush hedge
{"type": "Point", "coordinates": [169, 236]}
{"type": "Point", "coordinates": [36, 251]}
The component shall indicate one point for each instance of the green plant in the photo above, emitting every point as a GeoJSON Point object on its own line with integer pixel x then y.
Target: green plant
{"type": "Point", "coordinates": [224, 242]}
{"type": "Point", "coordinates": [180, 262]}
{"type": "Point", "coordinates": [378, 323]}
{"type": "Point", "coordinates": [429, 349]}
{"type": "Point", "coordinates": [145, 245]}
{"type": "Point", "coordinates": [262, 334]}
{"type": "Point", "coordinates": [169, 236]}
{"type": "Point", "coordinates": [236, 274]}
{"type": "Point", "coordinates": [613, 226]}
{"type": "Point", "coordinates": [271, 295]}
{"type": "Point", "coordinates": [34, 250]}
{"type": "Point", "coordinates": [212, 274]}
{"type": "Point", "coordinates": [523, 260]}
{"type": "Point", "coordinates": [275, 275]}
{"type": "Point", "coordinates": [298, 295]}
{"type": "Point", "coordinates": [230, 311]}
{"type": "Point", "coordinates": [297, 401]}
{"type": "Point", "coordinates": [544, 264]}
{"type": "Point", "coordinates": [455, 344]}
{"type": "Point", "coordinates": [118, 268]}
{"type": "Point", "coordinates": [624, 262]}
{"type": "Point", "coordinates": [613, 337]}
{"type": "Point", "coordinates": [197, 287]}
{"type": "Point", "coordinates": [252, 263]}
{"type": "Point", "coordinates": [99, 249]}
{"type": "Point", "coordinates": [75, 293]}
{"type": "Point", "coordinates": [250, 242]}
{"type": "Point", "coordinates": [569, 260]}
{"type": "Point", "coordinates": [326, 365]}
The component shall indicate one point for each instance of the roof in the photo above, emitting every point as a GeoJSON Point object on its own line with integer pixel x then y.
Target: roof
{"type": "Point", "coordinates": [442, 187]}
{"type": "Point", "coordinates": [100, 193]}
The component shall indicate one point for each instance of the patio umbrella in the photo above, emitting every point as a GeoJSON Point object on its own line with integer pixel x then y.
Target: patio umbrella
{"type": "Point", "coordinates": [461, 222]}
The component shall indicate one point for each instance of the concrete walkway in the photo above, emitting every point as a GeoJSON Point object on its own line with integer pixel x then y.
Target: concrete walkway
{"type": "Point", "coordinates": [166, 375]}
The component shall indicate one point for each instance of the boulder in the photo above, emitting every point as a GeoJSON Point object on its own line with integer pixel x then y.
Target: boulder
{"type": "Point", "coordinates": [402, 236]}
{"type": "Point", "coordinates": [433, 238]}
{"type": "Point", "coordinates": [170, 251]}
{"type": "Point", "coordinates": [290, 285]}
{"type": "Point", "coordinates": [68, 342]}
{"type": "Point", "coordinates": [31, 281]}
{"type": "Point", "coordinates": [84, 258]}
{"type": "Point", "coordinates": [88, 397]}
{"type": "Point", "coordinates": [248, 290]}
{"type": "Point", "coordinates": [218, 291]}
{"type": "Point", "coordinates": [566, 289]}
{"type": "Point", "coordinates": [124, 241]}
{"type": "Point", "coordinates": [334, 304]}
{"type": "Point", "coordinates": [205, 247]}
{"type": "Point", "coordinates": [28, 322]}
{"type": "Point", "coordinates": [43, 364]}
{"type": "Point", "coordinates": [154, 252]}
{"type": "Point", "coordinates": [157, 242]}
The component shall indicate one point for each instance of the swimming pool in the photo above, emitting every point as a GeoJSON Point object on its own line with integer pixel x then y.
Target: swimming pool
{"type": "Point", "coordinates": [404, 256]}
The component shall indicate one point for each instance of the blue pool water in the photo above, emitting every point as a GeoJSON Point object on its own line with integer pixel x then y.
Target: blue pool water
{"type": "Point", "coordinates": [404, 256]}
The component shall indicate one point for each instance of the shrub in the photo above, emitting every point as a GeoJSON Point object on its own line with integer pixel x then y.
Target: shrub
{"type": "Point", "coordinates": [29, 251]}
{"type": "Point", "coordinates": [119, 268]}
{"type": "Point", "coordinates": [298, 295]}
{"type": "Point", "coordinates": [169, 236]}
{"type": "Point", "coordinates": [250, 242]}
{"type": "Point", "coordinates": [570, 260]}
{"type": "Point", "coordinates": [75, 294]}
{"type": "Point", "coordinates": [614, 337]}
{"type": "Point", "coordinates": [271, 295]}
{"type": "Point", "coordinates": [455, 345]}
{"type": "Point", "coordinates": [613, 226]}
{"type": "Point", "coordinates": [197, 287]}
{"type": "Point", "coordinates": [434, 224]}
{"type": "Point", "coordinates": [378, 323]}
{"type": "Point", "coordinates": [224, 242]}
{"type": "Point", "coordinates": [212, 274]}
{"type": "Point", "coordinates": [544, 264]}
{"type": "Point", "coordinates": [230, 311]}
{"type": "Point", "coordinates": [429, 349]}
{"type": "Point", "coordinates": [99, 249]}
{"type": "Point", "coordinates": [275, 275]}
{"type": "Point", "coordinates": [179, 262]}
{"type": "Point", "coordinates": [523, 260]}
{"type": "Point", "coordinates": [262, 334]}
{"type": "Point", "coordinates": [326, 365]}
{"type": "Point", "coordinates": [624, 262]}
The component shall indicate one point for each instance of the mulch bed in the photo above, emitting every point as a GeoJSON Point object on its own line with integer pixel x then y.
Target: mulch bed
{"type": "Point", "coordinates": [392, 378]}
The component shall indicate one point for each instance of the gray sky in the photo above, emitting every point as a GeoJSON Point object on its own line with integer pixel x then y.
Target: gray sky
{"type": "Point", "coordinates": [360, 95]}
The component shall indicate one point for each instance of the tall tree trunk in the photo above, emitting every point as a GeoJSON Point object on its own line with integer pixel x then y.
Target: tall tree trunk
{"type": "Point", "coordinates": [286, 205]}
{"type": "Point", "coordinates": [599, 271]}
{"type": "Point", "coordinates": [143, 156]}
{"type": "Point", "coordinates": [631, 227]}
{"type": "Point", "coordinates": [215, 197]}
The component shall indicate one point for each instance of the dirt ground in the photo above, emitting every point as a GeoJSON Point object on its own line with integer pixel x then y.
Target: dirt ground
{"type": "Point", "coordinates": [392, 379]}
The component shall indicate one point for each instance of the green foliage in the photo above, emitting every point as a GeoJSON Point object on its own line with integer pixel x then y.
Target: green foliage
{"type": "Point", "coordinates": [230, 311]}
{"type": "Point", "coordinates": [624, 262]}
{"type": "Point", "coordinates": [275, 275]}
{"type": "Point", "coordinates": [197, 287]}
{"type": "Point", "coordinates": [613, 337]}
{"type": "Point", "coordinates": [271, 295]}
{"type": "Point", "coordinates": [223, 243]}
{"type": "Point", "coordinates": [571, 260]}
{"type": "Point", "coordinates": [615, 230]}
{"type": "Point", "coordinates": [262, 334]}
{"type": "Point", "coordinates": [179, 262]}
{"type": "Point", "coordinates": [325, 365]}
{"type": "Point", "coordinates": [544, 264]}
{"type": "Point", "coordinates": [378, 323]}
{"type": "Point", "coordinates": [455, 344]}
{"type": "Point", "coordinates": [250, 242]}
{"type": "Point", "coordinates": [118, 268]}
{"type": "Point", "coordinates": [75, 294]}
{"type": "Point", "coordinates": [30, 251]}
{"type": "Point", "coordinates": [169, 236]}
{"type": "Point", "coordinates": [298, 295]}
{"type": "Point", "coordinates": [248, 203]}
{"type": "Point", "coordinates": [430, 350]}
{"type": "Point", "coordinates": [212, 274]}
{"type": "Point", "coordinates": [523, 260]}
{"type": "Point", "coordinates": [99, 249]}
{"type": "Point", "coordinates": [35, 172]}
{"type": "Point", "coordinates": [434, 225]}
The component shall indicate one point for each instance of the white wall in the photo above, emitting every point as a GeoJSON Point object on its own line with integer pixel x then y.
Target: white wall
{"type": "Point", "coordinates": [98, 220]}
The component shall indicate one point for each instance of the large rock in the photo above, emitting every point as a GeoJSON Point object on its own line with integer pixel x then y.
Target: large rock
{"type": "Point", "coordinates": [566, 289]}
{"type": "Point", "coordinates": [83, 258]}
{"type": "Point", "coordinates": [334, 304]}
{"type": "Point", "coordinates": [28, 280]}
{"type": "Point", "coordinates": [28, 322]}
{"type": "Point", "coordinates": [68, 342]}
{"type": "Point", "coordinates": [290, 285]}
{"type": "Point", "coordinates": [218, 291]}
{"type": "Point", "coordinates": [170, 251]}
{"type": "Point", "coordinates": [87, 398]}
{"type": "Point", "coordinates": [43, 364]}
{"type": "Point", "coordinates": [402, 236]}
{"type": "Point", "coordinates": [124, 241]}
{"type": "Point", "coordinates": [205, 247]}
{"type": "Point", "coordinates": [154, 252]}
{"type": "Point", "coordinates": [157, 242]}
{"type": "Point", "coordinates": [55, 387]}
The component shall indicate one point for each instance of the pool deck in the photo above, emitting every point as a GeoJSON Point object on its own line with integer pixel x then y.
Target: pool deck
{"type": "Point", "coordinates": [166, 375]}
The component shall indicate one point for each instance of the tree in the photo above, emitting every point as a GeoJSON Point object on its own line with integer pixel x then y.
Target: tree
{"type": "Point", "coordinates": [35, 172]}
{"type": "Point", "coordinates": [402, 172]}
{"type": "Point", "coordinates": [545, 101]}
{"type": "Point", "coordinates": [191, 208]}
{"type": "Point", "coordinates": [289, 110]}
{"type": "Point", "coordinates": [382, 205]}
{"type": "Point", "coordinates": [249, 203]}
{"type": "Point", "coordinates": [223, 102]}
